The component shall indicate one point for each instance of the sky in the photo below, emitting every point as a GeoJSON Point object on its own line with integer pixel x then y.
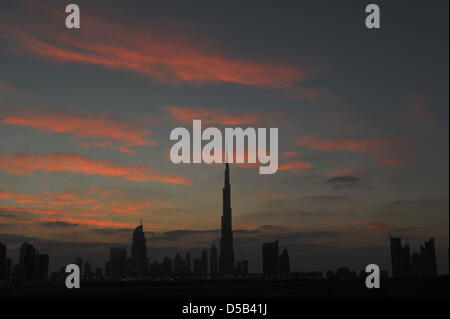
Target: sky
{"type": "Point", "coordinates": [362, 118]}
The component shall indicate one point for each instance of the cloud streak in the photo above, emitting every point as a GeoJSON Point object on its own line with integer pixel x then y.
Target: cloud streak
{"type": "Point", "coordinates": [165, 58]}
{"type": "Point", "coordinates": [102, 130]}
{"type": "Point", "coordinates": [213, 116]}
{"type": "Point", "coordinates": [27, 163]}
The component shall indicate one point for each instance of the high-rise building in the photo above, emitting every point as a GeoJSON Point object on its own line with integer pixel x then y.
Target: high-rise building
{"type": "Point", "coordinates": [139, 251]}
{"type": "Point", "coordinates": [7, 270]}
{"type": "Point", "coordinates": [226, 259]}
{"type": "Point", "coordinates": [245, 266]}
{"type": "Point", "coordinates": [2, 262]}
{"type": "Point", "coordinates": [27, 262]}
{"type": "Point", "coordinates": [284, 263]}
{"type": "Point", "coordinates": [204, 267]}
{"type": "Point", "coordinates": [424, 263]}
{"type": "Point", "coordinates": [118, 261]}
{"type": "Point", "coordinates": [188, 263]}
{"type": "Point", "coordinates": [167, 266]}
{"type": "Point", "coordinates": [213, 260]}
{"type": "Point", "coordinates": [179, 265]}
{"type": "Point", "coordinates": [400, 258]}
{"type": "Point", "coordinates": [270, 258]}
{"type": "Point", "coordinates": [197, 266]}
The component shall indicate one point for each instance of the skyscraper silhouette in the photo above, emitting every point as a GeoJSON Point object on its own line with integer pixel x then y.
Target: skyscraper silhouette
{"type": "Point", "coordinates": [139, 251]}
{"type": "Point", "coordinates": [226, 259]}
{"type": "Point", "coordinates": [400, 257]}
{"type": "Point", "coordinates": [213, 260]}
{"type": "Point", "coordinates": [270, 258]}
{"type": "Point", "coordinates": [284, 263]}
{"type": "Point", "coordinates": [424, 262]}
{"type": "Point", "coordinates": [2, 262]}
{"type": "Point", "coordinates": [27, 261]}
{"type": "Point", "coordinates": [204, 268]}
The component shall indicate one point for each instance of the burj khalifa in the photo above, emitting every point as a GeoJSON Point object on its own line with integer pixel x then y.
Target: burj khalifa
{"type": "Point", "coordinates": [226, 259]}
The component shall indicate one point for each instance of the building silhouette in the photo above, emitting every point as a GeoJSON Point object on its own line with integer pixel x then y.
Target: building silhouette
{"type": "Point", "coordinates": [270, 258]}
{"type": "Point", "coordinates": [400, 258]}
{"type": "Point", "coordinates": [198, 266]}
{"type": "Point", "coordinates": [204, 267]}
{"type": "Point", "coordinates": [284, 263]}
{"type": "Point", "coordinates": [7, 269]}
{"type": "Point", "coordinates": [27, 262]}
{"type": "Point", "coordinates": [178, 265]}
{"type": "Point", "coordinates": [167, 266]}
{"type": "Point", "coordinates": [424, 262]}
{"type": "Point", "coordinates": [2, 262]}
{"type": "Point", "coordinates": [242, 267]}
{"type": "Point", "coordinates": [226, 259]}
{"type": "Point", "coordinates": [213, 260]}
{"type": "Point", "coordinates": [187, 261]}
{"type": "Point", "coordinates": [245, 266]}
{"type": "Point", "coordinates": [139, 261]}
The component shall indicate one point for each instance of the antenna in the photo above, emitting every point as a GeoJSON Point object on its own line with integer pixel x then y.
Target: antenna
{"type": "Point", "coordinates": [226, 151]}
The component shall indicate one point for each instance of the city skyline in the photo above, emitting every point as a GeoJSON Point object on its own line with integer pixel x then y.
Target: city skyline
{"type": "Point", "coordinates": [34, 266]}
{"type": "Point", "coordinates": [85, 119]}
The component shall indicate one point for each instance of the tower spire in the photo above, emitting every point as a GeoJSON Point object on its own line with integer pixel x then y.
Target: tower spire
{"type": "Point", "coordinates": [226, 259]}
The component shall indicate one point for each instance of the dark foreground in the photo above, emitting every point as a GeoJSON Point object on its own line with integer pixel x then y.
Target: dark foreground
{"type": "Point", "coordinates": [309, 289]}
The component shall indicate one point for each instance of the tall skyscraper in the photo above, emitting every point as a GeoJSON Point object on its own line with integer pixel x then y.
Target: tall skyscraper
{"type": "Point", "coordinates": [2, 262]}
{"type": "Point", "coordinates": [188, 262]}
{"type": "Point", "coordinates": [204, 267]}
{"type": "Point", "coordinates": [27, 261]}
{"type": "Point", "coordinates": [226, 259]}
{"type": "Point", "coordinates": [213, 260]}
{"type": "Point", "coordinates": [139, 251]}
{"type": "Point", "coordinates": [400, 258]}
{"type": "Point", "coordinates": [270, 258]}
{"type": "Point", "coordinates": [424, 263]}
{"type": "Point", "coordinates": [178, 264]}
{"type": "Point", "coordinates": [284, 263]}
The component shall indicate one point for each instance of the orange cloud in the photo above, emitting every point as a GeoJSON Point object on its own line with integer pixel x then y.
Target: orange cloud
{"type": "Point", "coordinates": [163, 57]}
{"type": "Point", "coordinates": [213, 116]}
{"type": "Point", "coordinates": [341, 172]}
{"type": "Point", "coordinates": [352, 145]}
{"type": "Point", "coordinates": [25, 164]}
{"type": "Point", "coordinates": [295, 166]}
{"type": "Point", "coordinates": [88, 222]}
{"type": "Point", "coordinates": [124, 133]}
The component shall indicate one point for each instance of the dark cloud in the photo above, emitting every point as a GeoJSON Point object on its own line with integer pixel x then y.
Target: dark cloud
{"type": "Point", "coordinates": [341, 182]}
{"type": "Point", "coordinates": [58, 224]}
{"type": "Point", "coordinates": [112, 231]}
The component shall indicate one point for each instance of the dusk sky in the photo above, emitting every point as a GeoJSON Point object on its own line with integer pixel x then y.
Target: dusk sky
{"type": "Point", "coordinates": [362, 116]}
